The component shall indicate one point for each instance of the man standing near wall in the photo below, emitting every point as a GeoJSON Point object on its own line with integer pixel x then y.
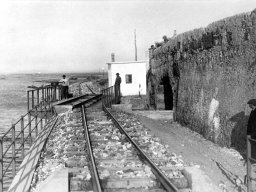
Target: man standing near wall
{"type": "Point", "coordinates": [251, 126]}
{"type": "Point", "coordinates": [117, 89]}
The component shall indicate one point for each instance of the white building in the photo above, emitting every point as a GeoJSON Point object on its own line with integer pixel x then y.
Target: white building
{"type": "Point", "coordinates": [133, 75]}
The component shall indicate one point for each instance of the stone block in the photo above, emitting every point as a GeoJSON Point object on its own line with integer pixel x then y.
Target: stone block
{"type": "Point", "coordinates": [122, 107]}
{"type": "Point", "coordinates": [198, 181]}
{"type": "Point", "coordinates": [57, 182]}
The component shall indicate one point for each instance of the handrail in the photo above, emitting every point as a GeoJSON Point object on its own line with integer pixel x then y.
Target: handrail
{"type": "Point", "coordinates": [7, 167]}
{"type": "Point", "coordinates": [20, 118]}
{"type": "Point", "coordinates": [45, 95]}
{"type": "Point", "coordinates": [108, 97]}
{"type": "Point", "coordinates": [8, 131]}
{"type": "Point", "coordinates": [17, 139]}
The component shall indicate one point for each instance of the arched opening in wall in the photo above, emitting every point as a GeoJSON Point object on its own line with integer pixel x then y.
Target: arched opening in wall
{"type": "Point", "coordinates": [167, 92]}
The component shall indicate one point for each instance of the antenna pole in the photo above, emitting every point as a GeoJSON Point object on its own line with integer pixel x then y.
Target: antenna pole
{"type": "Point", "coordinates": [135, 45]}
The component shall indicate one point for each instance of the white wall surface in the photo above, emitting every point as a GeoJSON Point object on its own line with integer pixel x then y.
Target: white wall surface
{"type": "Point", "coordinates": [136, 69]}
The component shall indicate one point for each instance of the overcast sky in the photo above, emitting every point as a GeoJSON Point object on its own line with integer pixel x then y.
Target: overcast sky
{"type": "Point", "coordinates": [79, 36]}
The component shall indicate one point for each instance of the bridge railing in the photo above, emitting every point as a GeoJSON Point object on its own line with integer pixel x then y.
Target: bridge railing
{"type": "Point", "coordinates": [43, 95]}
{"type": "Point", "coordinates": [108, 97]}
{"type": "Point", "coordinates": [16, 141]}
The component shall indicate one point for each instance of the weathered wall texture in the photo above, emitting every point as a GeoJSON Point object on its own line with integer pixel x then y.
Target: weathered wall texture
{"type": "Point", "coordinates": [214, 71]}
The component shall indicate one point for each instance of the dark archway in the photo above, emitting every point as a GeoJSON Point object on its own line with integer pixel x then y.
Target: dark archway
{"type": "Point", "coordinates": [168, 94]}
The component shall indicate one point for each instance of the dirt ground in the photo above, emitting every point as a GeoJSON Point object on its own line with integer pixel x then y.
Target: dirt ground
{"type": "Point", "coordinates": [225, 167]}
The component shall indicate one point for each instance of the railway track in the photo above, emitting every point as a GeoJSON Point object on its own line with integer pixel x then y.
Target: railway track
{"type": "Point", "coordinates": [102, 156]}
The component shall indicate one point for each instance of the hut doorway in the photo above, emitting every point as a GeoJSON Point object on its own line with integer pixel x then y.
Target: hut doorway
{"type": "Point", "coordinates": [168, 93]}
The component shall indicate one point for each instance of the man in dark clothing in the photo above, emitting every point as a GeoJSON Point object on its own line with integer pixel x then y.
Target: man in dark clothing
{"type": "Point", "coordinates": [64, 89]}
{"type": "Point", "coordinates": [117, 88]}
{"type": "Point", "coordinates": [251, 126]}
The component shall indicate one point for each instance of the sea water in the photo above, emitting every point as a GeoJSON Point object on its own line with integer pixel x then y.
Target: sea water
{"type": "Point", "coordinates": [13, 95]}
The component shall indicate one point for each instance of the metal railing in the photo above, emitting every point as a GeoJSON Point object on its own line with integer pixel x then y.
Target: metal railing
{"type": "Point", "coordinates": [13, 143]}
{"type": "Point", "coordinates": [250, 160]}
{"type": "Point", "coordinates": [108, 97]}
{"type": "Point", "coordinates": [43, 95]}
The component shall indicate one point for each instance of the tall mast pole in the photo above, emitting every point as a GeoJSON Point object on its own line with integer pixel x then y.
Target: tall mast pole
{"type": "Point", "coordinates": [135, 45]}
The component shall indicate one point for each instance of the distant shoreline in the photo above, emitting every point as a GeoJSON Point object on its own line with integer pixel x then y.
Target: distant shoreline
{"type": "Point", "coordinates": [41, 73]}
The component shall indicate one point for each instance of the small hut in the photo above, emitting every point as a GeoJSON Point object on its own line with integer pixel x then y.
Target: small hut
{"type": "Point", "coordinates": [133, 75]}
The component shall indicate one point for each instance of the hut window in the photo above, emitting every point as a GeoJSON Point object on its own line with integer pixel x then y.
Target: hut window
{"type": "Point", "coordinates": [128, 78]}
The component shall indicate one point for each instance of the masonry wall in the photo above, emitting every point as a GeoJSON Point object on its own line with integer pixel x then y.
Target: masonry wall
{"type": "Point", "coordinates": [213, 71]}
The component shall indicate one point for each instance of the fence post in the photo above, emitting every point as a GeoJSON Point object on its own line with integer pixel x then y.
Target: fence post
{"type": "Point", "coordinates": [50, 94]}
{"type": "Point", "coordinates": [105, 98]}
{"type": "Point", "coordinates": [22, 136]}
{"type": "Point", "coordinates": [13, 151]}
{"type": "Point", "coordinates": [37, 95]}
{"type": "Point", "coordinates": [33, 99]}
{"type": "Point", "coordinates": [1, 165]}
{"type": "Point", "coordinates": [51, 107]}
{"type": "Point", "coordinates": [28, 99]}
{"type": "Point", "coordinates": [111, 95]}
{"type": "Point", "coordinates": [47, 93]}
{"type": "Point", "coordinates": [29, 128]}
{"type": "Point", "coordinates": [58, 93]}
{"type": "Point", "coordinates": [41, 116]}
{"type": "Point", "coordinates": [55, 93]}
{"type": "Point", "coordinates": [43, 95]}
{"type": "Point", "coordinates": [108, 97]}
{"type": "Point", "coordinates": [249, 166]}
{"type": "Point", "coordinates": [36, 130]}
{"type": "Point", "coordinates": [102, 97]}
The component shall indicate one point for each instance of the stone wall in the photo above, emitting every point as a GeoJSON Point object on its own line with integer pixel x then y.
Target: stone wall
{"type": "Point", "coordinates": [213, 73]}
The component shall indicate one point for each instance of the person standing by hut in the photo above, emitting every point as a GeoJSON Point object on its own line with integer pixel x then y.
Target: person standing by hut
{"type": "Point", "coordinates": [117, 89]}
{"type": "Point", "coordinates": [251, 126]}
{"type": "Point", "coordinates": [64, 89]}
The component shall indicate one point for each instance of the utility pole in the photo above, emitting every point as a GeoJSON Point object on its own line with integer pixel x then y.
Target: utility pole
{"type": "Point", "coordinates": [136, 59]}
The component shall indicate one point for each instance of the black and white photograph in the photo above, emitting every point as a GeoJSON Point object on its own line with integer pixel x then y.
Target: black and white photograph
{"type": "Point", "coordinates": [128, 96]}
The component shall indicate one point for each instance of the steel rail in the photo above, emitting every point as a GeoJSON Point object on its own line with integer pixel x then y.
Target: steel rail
{"type": "Point", "coordinates": [96, 184]}
{"type": "Point", "coordinates": [164, 180]}
{"type": "Point", "coordinates": [86, 101]}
